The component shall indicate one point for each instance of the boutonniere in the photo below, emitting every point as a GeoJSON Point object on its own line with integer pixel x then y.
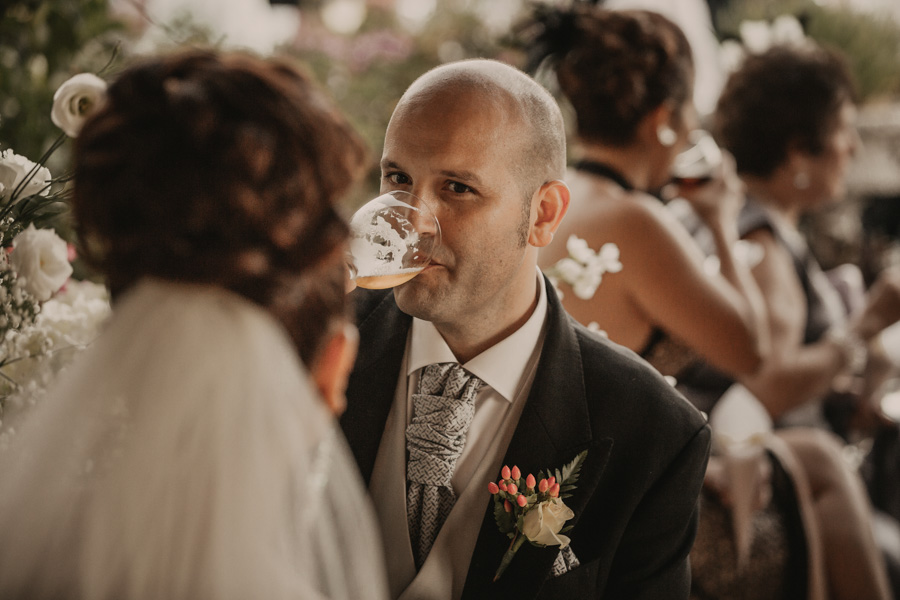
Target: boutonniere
{"type": "Point", "coordinates": [532, 508]}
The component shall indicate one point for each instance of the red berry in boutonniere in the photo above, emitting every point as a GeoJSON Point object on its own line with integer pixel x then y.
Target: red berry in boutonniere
{"type": "Point", "coordinates": [493, 488]}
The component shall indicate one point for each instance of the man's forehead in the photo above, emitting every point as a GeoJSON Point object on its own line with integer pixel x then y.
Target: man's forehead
{"type": "Point", "coordinates": [454, 132]}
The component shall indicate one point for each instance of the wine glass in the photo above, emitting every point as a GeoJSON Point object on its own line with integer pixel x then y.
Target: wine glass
{"type": "Point", "coordinates": [697, 163]}
{"type": "Point", "coordinates": [392, 238]}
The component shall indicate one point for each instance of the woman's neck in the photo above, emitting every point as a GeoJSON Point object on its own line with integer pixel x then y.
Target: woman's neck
{"type": "Point", "coordinates": [630, 161]}
{"type": "Point", "coordinates": [778, 195]}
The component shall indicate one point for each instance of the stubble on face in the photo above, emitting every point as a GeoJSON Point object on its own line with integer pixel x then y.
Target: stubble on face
{"type": "Point", "coordinates": [483, 252]}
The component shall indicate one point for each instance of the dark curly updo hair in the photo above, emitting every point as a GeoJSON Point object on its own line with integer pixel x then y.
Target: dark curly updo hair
{"type": "Point", "coordinates": [786, 96]}
{"type": "Point", "coordinates": [220, 169]}
{"type": "Point", "coordinates": [615, 67]}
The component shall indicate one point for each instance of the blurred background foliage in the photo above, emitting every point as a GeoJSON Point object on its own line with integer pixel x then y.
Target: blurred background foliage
{"type": "Point", "coordinates": [870, 41]}
{"type": "Point", "coordinates": [365, 59]}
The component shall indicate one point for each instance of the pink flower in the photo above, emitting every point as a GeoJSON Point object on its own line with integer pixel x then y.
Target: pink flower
{"type": "Point", "coordinates": [529, 481]}
{"type": "Point", "coordinates": [493, 488]}
{"type": "Point", "coordinates": [516, 473]}
{"type": "Point", "coordinates": [521, 500]}
{"type": "Point", "coordinates": [512, 489]}
{"type": "Point", "coordinates": [543, 485]}
{"type": "Point", "coordinates": [507, 506]}
{"type": "Point", "coordinates": [504, 472]}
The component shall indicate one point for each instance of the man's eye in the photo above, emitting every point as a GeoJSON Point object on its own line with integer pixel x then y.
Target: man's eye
{"type": "Point", "coordinates": [398, 178]}
{"type": "Point", "coordinates": [458, 188]}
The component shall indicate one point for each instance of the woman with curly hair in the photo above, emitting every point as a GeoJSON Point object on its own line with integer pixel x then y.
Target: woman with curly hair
{"type": "Point", "coordinates": [191, 452]}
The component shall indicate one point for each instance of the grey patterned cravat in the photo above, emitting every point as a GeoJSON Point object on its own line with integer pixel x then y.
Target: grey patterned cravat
{"type": "Point", "coordinates": [443, 409]}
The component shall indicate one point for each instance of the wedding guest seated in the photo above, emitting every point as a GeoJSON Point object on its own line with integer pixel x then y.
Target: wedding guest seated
{"type": "Point", "coordinates": [189, 454]}
{"type": "Point", "coordinates": [484, 145]}
{"type": "Point", "coordinates": [628, 75]}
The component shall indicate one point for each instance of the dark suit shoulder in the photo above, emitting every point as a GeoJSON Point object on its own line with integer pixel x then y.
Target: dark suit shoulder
{"type": "Point", "coordinates": [365, 302]}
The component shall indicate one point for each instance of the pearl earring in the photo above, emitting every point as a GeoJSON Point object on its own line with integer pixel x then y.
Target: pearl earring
{"type": "Point", "coordinates": [666, 135]}
{"type": "Point", "coordinates": [801, 180]}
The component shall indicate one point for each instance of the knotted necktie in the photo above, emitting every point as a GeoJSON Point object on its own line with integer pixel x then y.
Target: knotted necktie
{"type": "Point", "coordinates": [443, 409]}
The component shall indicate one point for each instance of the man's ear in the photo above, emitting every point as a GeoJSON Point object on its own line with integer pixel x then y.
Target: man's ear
{"type": "Point", "coordinates": [333, 365]}
{"type": "Point", "coordinates": [548, 209]}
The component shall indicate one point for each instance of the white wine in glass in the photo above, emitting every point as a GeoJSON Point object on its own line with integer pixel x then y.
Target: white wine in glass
{"type": "Point", "coordinates": [392, 239]}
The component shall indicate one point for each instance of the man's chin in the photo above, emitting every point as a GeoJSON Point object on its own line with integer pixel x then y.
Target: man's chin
{"type": "Point", "coordinates": [417, 299]}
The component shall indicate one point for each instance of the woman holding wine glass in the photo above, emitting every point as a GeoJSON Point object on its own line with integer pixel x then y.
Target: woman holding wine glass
{"type": "Point", "coordinates": [628, 76]}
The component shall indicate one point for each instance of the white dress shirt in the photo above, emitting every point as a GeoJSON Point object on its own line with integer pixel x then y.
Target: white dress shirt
{"type": "Point", "coordinates": [501, 367]}
{"type": "Point", "coordinates": [508, 370]}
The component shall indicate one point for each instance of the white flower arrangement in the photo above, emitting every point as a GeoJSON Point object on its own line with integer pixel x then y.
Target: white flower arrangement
{"type": "Point", "coordinates": [584, 268]}
{"type": "Point", "coordinates": [45, 317]}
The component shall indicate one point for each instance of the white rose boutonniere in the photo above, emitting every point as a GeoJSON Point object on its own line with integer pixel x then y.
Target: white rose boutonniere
{"type": "Point", "coordinates": [41, 261]}
{"type": "Point", "coordinates": [543, 523]}
{"type": "Point", "coordinates": [532, 509]}
{"type": "Point", "coordinates": [14, 173]}
{"type": "Point", "coordinates": [75, 100]}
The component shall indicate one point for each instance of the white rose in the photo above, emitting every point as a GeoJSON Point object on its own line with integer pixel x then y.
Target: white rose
{"type": "Point", "coordinates": [543, 522]}
{"type": "Point", "coordinates": [41, 259]}
{"type": "Point", "coordinates": [14, 169]}
{"type": "Point", "coordinates": [75, 100]}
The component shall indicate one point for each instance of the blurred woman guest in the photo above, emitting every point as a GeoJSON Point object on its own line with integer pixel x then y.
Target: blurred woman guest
{"type": "Point", "coordinates": [628, 76]}
{"type": "Point", "coordinates": [190, 454]}
{"type": "Point", "coordinates": [788, 117]}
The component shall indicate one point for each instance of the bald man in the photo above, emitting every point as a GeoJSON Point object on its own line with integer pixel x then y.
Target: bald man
{"type": "Point", "coordinates": [484, 146]}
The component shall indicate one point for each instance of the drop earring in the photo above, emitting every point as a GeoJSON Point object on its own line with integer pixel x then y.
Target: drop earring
{"type": "Point", "coordinates": [666, 135]}
{"type": "Point", "coordinates": [801, 180]}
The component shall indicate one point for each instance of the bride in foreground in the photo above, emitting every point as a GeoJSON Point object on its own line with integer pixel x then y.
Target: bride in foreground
{"type": "Point", "coordinates": [191, 453]}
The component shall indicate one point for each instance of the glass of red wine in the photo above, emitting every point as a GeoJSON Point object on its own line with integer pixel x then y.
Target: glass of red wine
{"type": "Point", "coordinates": [392, 239]}
{"type": "Point", "coordinates": [697, 164]}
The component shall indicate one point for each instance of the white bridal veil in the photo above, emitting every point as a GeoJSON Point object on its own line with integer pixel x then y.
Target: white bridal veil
{"type": "Point", "coordinates": [186, 455]}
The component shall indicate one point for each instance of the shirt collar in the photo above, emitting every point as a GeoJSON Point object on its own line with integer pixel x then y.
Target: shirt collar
{"type": "Point", "coordinates": [501, 366]}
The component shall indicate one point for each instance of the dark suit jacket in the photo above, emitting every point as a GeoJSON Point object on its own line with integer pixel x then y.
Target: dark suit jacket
{"type": "Point", "coordinates": [636, 501]}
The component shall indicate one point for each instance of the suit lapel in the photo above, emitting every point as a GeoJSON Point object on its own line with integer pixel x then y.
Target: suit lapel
{"type": "Point", "coordinates": [553, 429]}
{"type": "Point", "coordinates": [373, 381]}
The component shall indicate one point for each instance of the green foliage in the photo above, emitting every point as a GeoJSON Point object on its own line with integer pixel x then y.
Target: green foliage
{"type": "Point", "coordinates": [872, 46]}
